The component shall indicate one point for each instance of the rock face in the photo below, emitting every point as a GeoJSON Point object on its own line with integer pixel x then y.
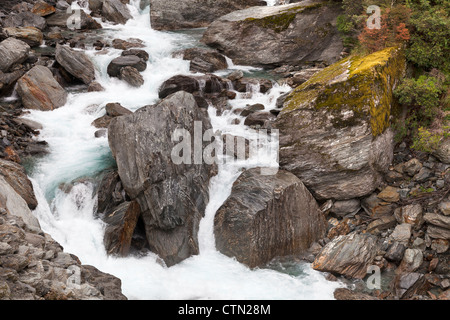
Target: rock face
{"type": "Point", "coordinates": [76, 63]}
{"type": "Point", "coordinates": [267, 216]}
{"type": "Point", "coordinates": [348, 255]}
{"type": "Point", "coordinates": [192, 13]}
{"type": "Point", "coordinates": [172, 197]}
{"type": "Point", "coordinates": [272, 36]}
{"type": "Point", "coordinates": [334, 128]}
{"type": "Point", "coordinates": [12, 51]}
{"type": "Point", "coordinates": [39, 90]}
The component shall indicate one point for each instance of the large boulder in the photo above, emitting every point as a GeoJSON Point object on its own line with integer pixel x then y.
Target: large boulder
{"type": "Point", "coordinates": [12, 51]}
{"type": "Point", "coordinates": [39, 90]}
{"type": "Point", "coordinates": [172, 195]}
{"type": "Point", "coordinates": [292, 34]}
{"type": "Point", "coordinates": [77, 63]}
{"type": "Point", "coordinates": [193, 13]}
{"type": "Point", "coordinates": [267, 216]}
{"type": "Point", "coordinates": [334, 128]}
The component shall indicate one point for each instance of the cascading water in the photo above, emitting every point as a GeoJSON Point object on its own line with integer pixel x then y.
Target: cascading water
{"type": "Point", "coordinates": [67, 200]}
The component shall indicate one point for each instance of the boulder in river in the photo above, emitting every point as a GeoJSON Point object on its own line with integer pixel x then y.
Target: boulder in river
{"type": "Point", "coordinates": [292, 34]}
{"type": "Point", "coordinates": [335, 128]}
{"type": "Point", "coordinates": [118, 63]}
{"type": "Point", "coordinates": [267, 216]}
{"type": "Point", "coordinates": [204, 60]}
{"type": "Point", "coordinates": [76, 63]}
{"type": "Point", "coordinates": [172, 194]}
{"type": "Point", "coordinates": [39, 90]}
{"type": "Point", "coordinates": [208, 83]}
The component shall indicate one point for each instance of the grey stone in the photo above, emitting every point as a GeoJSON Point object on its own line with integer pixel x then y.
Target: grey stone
{"type": "Point", "coordinates": [12, 51]}
{"type": "Point", "coordinates": [77, 63]}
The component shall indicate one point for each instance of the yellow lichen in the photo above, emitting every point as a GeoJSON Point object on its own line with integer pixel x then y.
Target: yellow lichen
{"type": "Point", "coordinates": [361, 84]}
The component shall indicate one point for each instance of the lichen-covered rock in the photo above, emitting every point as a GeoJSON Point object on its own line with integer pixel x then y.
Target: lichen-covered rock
{"type": "Point", "coordinates": [267, 216]}
{"type": "Point", "coordinates": [334, 128]}
{"type": "Point", "coordinates": [292, 34]}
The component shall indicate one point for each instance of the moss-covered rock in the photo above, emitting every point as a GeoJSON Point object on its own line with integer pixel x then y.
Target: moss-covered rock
{"type": "Point", "coordinates": [334, 128]}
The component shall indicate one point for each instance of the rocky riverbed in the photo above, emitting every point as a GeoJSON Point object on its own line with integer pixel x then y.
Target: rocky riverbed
{"type": "Point", "coordinates": [369, 213]}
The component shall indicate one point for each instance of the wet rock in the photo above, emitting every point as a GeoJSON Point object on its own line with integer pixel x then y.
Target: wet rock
{"type": "Point", "coordinates": [236, 146]}
{"type": "Point", "coordinates": [76, 63]}
{"type": "Point", "coordinates": [260, 118]}
{"type": "Point", "coordinates": [204, 60]}
{"type": "Point", "coordinates": [131, 76]}
{"type": "Point", "coordinates": [136, 52]}
{"type": "Point", "coordinates": [116, 110]}
{"type": "Point", "coordinates": [172, 194]}
{"type": "Point", "coordinates": [204, 84]}
{"type": "Point", "coordinates": [12, 51]}
{"type": "Point", "coordinates": [267, 216]}
{"type": "Point", "coordinates": [125, 61]}
{"type": "Point", "coordinates": [348, 255]}
{"type": "Point", "coordinates": [121, 223]}
{"type": "Point", "coordinates": [110, 193]}
{"type": "Point", "coordinates": [251, 109]}
{"type": "Point", "coordinates": [39, 90]}
{"type": "Point", "coordinates": [128, 44]}
{"type": "Point", "coordinates": [94, 86]}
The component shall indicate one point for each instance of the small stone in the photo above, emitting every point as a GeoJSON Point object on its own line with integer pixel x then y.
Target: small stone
{"type": "Point", "coordinates": [419, 243]}
{"type": "Point", "coordinates": [395, 252]}
{"type": "Point", "coordinates": [440, 183]}
{"type": "Point", "coordinates": [346, 207]}
{"type": "Point", "coordinates": [412, 260]}
{"type": "Point", "coordinates": [444, 207]}
{"type": "Point", "coordinates": [422, 175]}
{"type": "Point", "coordinates": [402, 233]}
{"type": "Point", "coordinates": [412, 167]}
{"type": "Point", "coordinates": [412, 214]}
{"type": "Point", "coordinates": [389, 194]}
{"type": "Point", "coordinates": [440, 245]}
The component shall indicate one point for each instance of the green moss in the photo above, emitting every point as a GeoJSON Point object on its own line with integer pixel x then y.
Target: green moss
{"type": "Point", "coordinates": [361, 84]}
